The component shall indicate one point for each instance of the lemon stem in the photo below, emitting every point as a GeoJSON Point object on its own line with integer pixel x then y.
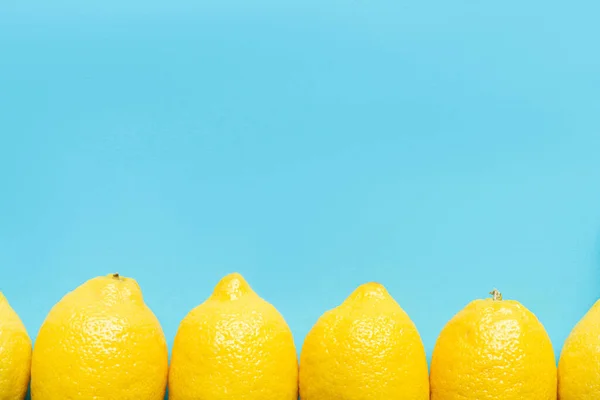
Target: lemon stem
{"type": "Point", "coordinates": [496, 295]}
{"type": "Point", "coordinates": [116, 276]}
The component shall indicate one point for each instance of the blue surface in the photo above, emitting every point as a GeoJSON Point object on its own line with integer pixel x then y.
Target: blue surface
{"type": "Point", "coordinates": [440, 148]}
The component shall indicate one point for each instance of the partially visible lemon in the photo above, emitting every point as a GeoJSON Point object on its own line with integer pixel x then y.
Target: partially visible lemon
{"type": "Point", "coordinates": [365, 349]}
{"type": "Point", "coordinates": [100, 342]}
{"type": "Point", "coordinates": [236, 346]}
{"type": "Point", "coordinates": [15, 354]}
{"type": "Point", "coordinates": [493, 349]}
{"type": "Point", "coordinates": [579, 364]}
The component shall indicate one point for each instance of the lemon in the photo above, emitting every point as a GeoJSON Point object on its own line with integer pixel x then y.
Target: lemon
{"type": "Point", "coordinates": [100, 342]}
{"type": "Point", "coordinates": [579, 364]}
{"type": "Point", "coordinates": [365, 349]}
{"type": "Point", "coordinates": [493, 349]}
{"type": "Point", "coordinates": [236, 346]}
{"type": "Point", "coordinates": [15, 354]}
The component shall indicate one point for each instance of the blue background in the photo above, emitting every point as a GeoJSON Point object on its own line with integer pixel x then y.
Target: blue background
{"type": "Point", "coordinates": [442, 148]}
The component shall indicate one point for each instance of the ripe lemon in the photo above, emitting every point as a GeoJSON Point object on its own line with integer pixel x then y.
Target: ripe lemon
{"type": "Point", "coordinates": [579, 364]}
{"type": "Point", "coordinates": [100, 342]}
{"type": "Point", "coordinates": [234, 346]}
{"type": "Point", "coordinates": [493, 349]}
{"type": "Point", "coordinates": [15, 354]}
{"type": "Point", "coordinates": [365, 349]}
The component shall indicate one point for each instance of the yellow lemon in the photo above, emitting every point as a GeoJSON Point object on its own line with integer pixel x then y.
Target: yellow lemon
{"type": "Point", "coordinates": [579, 364]}
{"type": "Point", "coordinates": [100, 342]}
{"type": "Point", "coordinates": [493, 349]}
{"type": "Point", "coordinates": [15, 354]}
{"type": "Point", "coordinates": [365, 349]}
{"type": "Point", "coordinates": [236, 346]}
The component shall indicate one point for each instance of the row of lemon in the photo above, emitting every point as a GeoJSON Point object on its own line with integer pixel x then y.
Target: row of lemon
{"type": "Point", "coordinates": [102, 342]}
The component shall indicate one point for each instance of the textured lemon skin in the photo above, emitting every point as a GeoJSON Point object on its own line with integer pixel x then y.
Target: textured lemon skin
{"type": "Point", "coordinates": [490, 350]}
{"type": "Point", "coordinates": [579, 364]}
{"type": "Point", "coordinates": [234, 346]}
{"type": "Point", "coordinates": [15, 354]}
{"type": "Point", "coordinates": [365, 349]}
{"type": "Point", "coordinates": [100, 342]}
